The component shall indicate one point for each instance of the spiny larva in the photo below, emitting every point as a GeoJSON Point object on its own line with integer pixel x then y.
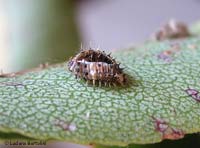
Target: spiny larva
{"type": "Point", "coordinates": [96, 67]}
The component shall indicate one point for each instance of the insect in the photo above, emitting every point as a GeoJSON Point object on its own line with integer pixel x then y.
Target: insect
{"type": "Point", "coordinates": [172, 30]}
{"type": "Point", "coordinates": [95, 66]}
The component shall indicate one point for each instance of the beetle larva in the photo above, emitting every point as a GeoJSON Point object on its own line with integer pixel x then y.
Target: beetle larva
{"type": "Point", "coordinates": [97, 67]}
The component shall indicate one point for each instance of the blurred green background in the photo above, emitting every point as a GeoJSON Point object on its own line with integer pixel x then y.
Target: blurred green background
{"type": "Point", "coordinates": [38, 31]}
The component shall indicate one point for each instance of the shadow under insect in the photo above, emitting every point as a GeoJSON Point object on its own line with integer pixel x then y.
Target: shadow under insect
{"type": "Point", "coordinates": [97, 68]}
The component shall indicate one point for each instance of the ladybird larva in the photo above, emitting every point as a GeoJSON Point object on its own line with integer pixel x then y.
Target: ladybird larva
{"type": "Point", "coordinates": [97, 67]}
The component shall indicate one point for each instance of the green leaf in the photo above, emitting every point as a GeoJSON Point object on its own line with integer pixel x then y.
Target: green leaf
{"type": "Point", "coordinates": [4, 137]}
{"type": "Point", "coordinates": [161, 101]}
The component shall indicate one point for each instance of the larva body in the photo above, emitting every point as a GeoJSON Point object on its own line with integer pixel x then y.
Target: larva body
{"type": "Point", "coordinates": [96, 67]}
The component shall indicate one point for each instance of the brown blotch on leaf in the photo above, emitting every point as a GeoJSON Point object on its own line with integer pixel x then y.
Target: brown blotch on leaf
{"type": "Point", "coordinates": [91, 144]}
{"type": "Point", "coordinates": [168, 54]}
{"type": "Point", "coordinates": [171, 30]}
{"type": "Point", "coordinates": [173, 134]}
{"type": "Point", "coordinates": [160, 125]}
{"type": "Point", "coordinates": [167, 131]}
{"type": "Point", "coordinates": [165, 57]}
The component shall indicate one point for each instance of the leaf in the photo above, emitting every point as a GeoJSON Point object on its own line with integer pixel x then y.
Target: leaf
{"type": "Point", "coordinates": [4, 137]}
{"type": "Point", "coordinates": [161, 101]}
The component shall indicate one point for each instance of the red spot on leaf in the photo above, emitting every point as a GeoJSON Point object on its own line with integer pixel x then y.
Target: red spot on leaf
{"type": "Point", "coordinates": [167, 131]}
{"type": "Point", "coordinates": [193, 93]}
{"type": "Point", "coordinates": [160, 125]}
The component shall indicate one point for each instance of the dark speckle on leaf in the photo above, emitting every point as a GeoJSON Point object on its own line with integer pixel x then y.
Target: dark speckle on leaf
{"type": "Point", "coordinates": [167, 55]}
{"type": "Point", "coordinates": [164, 57]}
{"type": "Point", "coordinates": [193, 93]}
{"type": "Point", "coordinates": [160, 125]}
{"type": "Point", "coordinates": [10, 84]}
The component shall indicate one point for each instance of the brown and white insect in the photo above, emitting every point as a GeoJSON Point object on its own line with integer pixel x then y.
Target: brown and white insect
{"type": "Point", "coordinates": [171, 30]}
{"type": "Point", "coordinates": [97, 67]}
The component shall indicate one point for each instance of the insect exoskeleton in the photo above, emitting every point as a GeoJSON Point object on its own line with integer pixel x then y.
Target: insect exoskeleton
{"type": "Point", "coordinates": [97, 67]}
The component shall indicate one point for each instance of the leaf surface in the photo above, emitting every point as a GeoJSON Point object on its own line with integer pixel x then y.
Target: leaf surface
{"type": "Point", "coordinates": [160, 102]}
